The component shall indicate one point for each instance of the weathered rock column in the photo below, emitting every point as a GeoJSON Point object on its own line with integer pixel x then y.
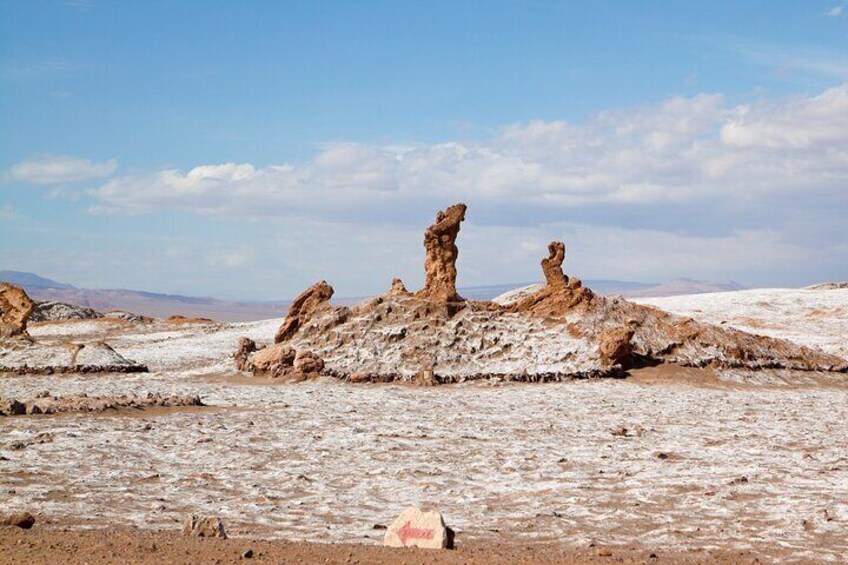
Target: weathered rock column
{"type": "Point", "coordinates": [552, 265]}
{"type": "Point", "coordinates": [442, 252]}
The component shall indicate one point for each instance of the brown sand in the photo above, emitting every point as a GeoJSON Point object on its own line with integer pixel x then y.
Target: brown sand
{"type": "Point", "coordinates": [48, 545]}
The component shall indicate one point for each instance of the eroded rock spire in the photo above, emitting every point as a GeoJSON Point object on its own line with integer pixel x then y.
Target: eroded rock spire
{"type": "Point", "coordinates": [552, 265]}
{"type": "Point", "coordinates": [442, 252]}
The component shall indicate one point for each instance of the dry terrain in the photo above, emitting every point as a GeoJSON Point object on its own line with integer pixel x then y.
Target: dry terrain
{"type": "Point", "coordinates": [689, 464]}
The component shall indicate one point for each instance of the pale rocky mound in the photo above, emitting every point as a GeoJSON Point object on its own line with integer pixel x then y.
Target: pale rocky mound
{"type": "Point", "coordinates": [52, 311]}
{"type": "Point", "coordinates": [828, 286]}
{"type": "Point", "coordinates": [561, 330]}
{"type": "Point", "coordinates": [127, 316]}
{"type": "Point", "coordinates": [19, 353]}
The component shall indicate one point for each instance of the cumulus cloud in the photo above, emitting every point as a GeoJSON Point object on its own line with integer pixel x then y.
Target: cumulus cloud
{"type": "Point", "coordinates": [60, 169]}
{"type": "Point", "coordinates": [684, 150]}
{"type": "Point", "coordinates": [692, 186]}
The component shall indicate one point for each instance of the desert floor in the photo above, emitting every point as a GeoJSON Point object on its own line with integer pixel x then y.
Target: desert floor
{"type": "Point", "coordinates": [690, 465]}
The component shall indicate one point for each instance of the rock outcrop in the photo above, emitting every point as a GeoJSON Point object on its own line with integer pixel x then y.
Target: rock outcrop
{"type": "Point", "coordinates": [246, 348]}
{"type": "Point", "coordinates": [20, 354]}
{"type": "Point", "coordinates": [615, 347]}
{"type": "Point", "coordinates": [561, 331]}
{"type": "Point", "coordinates": [16, 308]}
{"type": "Point", "coordinates": [441, 255]}
{"type": "Point", "coordinates": [303, 308]}
{"type": "Point", "coordinates": [45, 403]}
{"type": "Point", "coordinates": [281, 361]}
{"type": "Point", "coordinates": [560, 294]}
{"type": "Point", "coordinates": [52, 311]}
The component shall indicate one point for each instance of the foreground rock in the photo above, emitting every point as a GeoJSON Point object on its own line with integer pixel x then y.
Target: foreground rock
{"type": "Point", "coordinates": [415, 528]}
{"type": "Point", "coordinates": [203, 527]}
{"type": "Point", "coordinates": [23, 520]}
{"type": "Point", "coordinates": [559, 331]}
{"type": "Point", "coordinates": [280, 361]}
{"type": "Point", "coordinates": [44, 403]}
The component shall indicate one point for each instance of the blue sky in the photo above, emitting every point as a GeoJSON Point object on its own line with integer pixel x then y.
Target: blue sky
{"type": "Point", "coordinates": [247, 149]}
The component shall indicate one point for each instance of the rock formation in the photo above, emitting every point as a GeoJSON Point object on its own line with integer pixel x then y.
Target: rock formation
{"type": "Point", "coordinates": [615, 347]}
{"type": "Point", "coordinates": [45, 403]}
{"type": "Point", "coordinates": [552, 265]}
{"type": "Point", "coordinates": [303, 308]}
{"type": "Point", "coordinates": [561, 331]}
{"type": "Point", "coordinates": [52, 311]}
{"type": "Point", "coordinates": [20, 354]}
{"type": "Point", "coordinates": [16, 307]}
{"type": "Point", "coordinates": [398, 288]}
{"type": "Point", "coordinates": [242, 355]}
{"type": "Point", "coordinates": [280, 361]}
{"type": "Point", "coordinates": [442, 253]}
{"type": "Point", "coordinates": [560, 294]}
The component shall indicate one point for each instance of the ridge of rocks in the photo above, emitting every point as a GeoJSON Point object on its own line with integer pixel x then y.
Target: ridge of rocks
{"type": "Point", "coordinates": [561, 331]}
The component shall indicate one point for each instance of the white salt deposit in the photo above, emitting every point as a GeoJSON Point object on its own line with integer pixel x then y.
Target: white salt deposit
{"type": "Point", "coordinates": [714, 466]}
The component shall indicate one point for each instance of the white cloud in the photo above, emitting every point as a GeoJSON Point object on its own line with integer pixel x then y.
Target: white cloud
{"type": "Point", "coordinates": [797, 124]}
{"type": "Point", "coordinates": [7, 211]}
{"type": "Point", "coordinates": [59, 169]}
{"type": "Point", "coordinates": [684, 150]}
{"type": "Point", "coordinates": [836, 11]}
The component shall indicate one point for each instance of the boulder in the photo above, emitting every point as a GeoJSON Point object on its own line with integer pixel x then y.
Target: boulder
{"type": "Point", "coordinates": [274, 361]}
{"type": "Point", "coordinates": [246, 348]}
{"type": "Point", "coordinates": [203, 527]}
{"type": "Point", "coordinates": [15, 309]}
{"type": "Point", "coordinates": [23, 520]}
{"type": "Point", "coordinates": [308, 364]}
{"type": "Point", "coordinates": [415, 528]}
{"type": "Point", "coordinates": [615, 347]}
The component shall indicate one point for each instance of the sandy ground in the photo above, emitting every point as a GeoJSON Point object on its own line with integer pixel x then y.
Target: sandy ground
{"type": "Point", "coordinates": [49, 545]}
{"type": "Point", "coordinates": [668, 461]}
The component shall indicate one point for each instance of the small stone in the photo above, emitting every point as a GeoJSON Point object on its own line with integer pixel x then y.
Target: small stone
{"type": "Point", "coordinates": [203, 527]}
{"type": "Point", "coordinates": [603, 552]}
{"type": "Point", "coordinates": [415, 528]}
{"type": "Point", "coordinates": [247, 554]}
{"type": "Point", "coordinates": [359, 377]}
{"type": "Point", "coordinates": [23, 520]}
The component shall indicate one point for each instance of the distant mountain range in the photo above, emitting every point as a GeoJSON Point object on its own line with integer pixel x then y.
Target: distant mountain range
{"type": "Point", "coordinates": [145, 303]}
{"type": "Point", "coordinates": [163, 305]}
